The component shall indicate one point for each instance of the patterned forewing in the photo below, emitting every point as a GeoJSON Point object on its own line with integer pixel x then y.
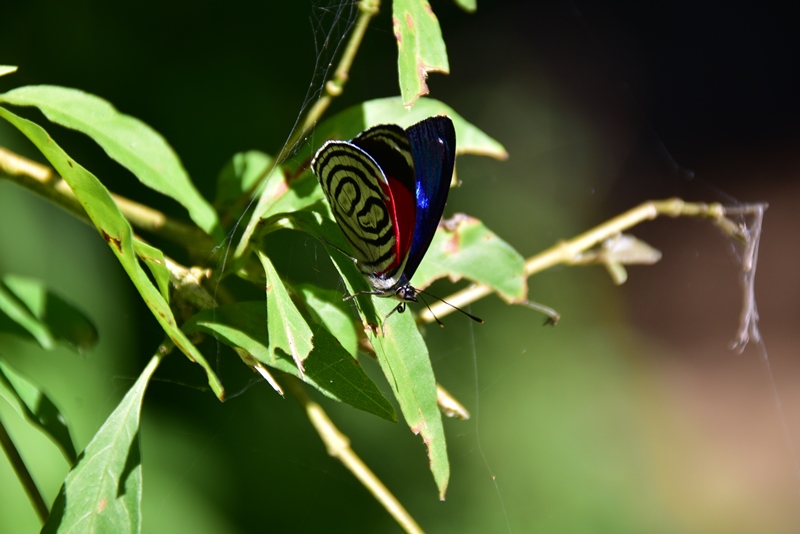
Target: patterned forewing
{"type": "Point", "coordinates": [350, 179]}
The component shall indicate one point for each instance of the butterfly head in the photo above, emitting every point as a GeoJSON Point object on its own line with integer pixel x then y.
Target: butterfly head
{"type": "Point", "coordinates": [405, 293]}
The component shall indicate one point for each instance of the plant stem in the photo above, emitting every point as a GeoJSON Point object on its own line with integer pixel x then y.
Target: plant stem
{"type": "Point", "coordinates": [568, 252]}
{"type": "Point", "coordinates": [46, 183]}
{"type": "Point", "coordinates": [338, 446]}
{"type": "Point", "coordinates": [23, 474]}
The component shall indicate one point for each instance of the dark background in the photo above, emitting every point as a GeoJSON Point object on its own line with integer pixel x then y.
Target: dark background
{"type": "Point", "coordinates": [632, 415]}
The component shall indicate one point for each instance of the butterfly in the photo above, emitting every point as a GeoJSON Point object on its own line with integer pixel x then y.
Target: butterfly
{"type": "Point", "coordinates": [387, 189]}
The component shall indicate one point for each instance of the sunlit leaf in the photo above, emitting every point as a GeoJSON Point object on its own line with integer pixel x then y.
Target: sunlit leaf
{"type": "Point", "coordinates": [327, 308]}
{"type": "Point", "coordinates": [103, 491]}
{"type": "Point", "coordinates": [32, 403]}
{"type": "Point", "coordinates": [7, 69]}
{"type": "Point", "coordinates": [464, 247]}
{"type": "Point", "coordinates": [405, 362]}
{"type": "Point", "coordinates": [116, 231]}
{"type": "Point", "coordinates": [127, 140]}
{"type": "Point", "coordinates": [420, 47]}
{"type": "Point", "coordinates": [288, 330]}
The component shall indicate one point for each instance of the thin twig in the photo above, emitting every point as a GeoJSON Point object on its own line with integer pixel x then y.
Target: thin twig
{"type": "Point", "coordinates": [569, 252]}
{"type": "Point", "coordinates": [333, 87]}
{"type": "Point", "coordinates": [23, 474]}
{"type": "Point", "coordinates": [338, 446]}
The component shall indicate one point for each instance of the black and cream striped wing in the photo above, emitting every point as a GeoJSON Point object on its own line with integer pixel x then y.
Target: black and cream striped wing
{"type": "Point", "coordinates": [356, 190]}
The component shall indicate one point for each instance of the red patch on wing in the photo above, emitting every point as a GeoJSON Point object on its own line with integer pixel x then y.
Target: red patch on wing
{"type": "Point", "coordinates": [403, 214]}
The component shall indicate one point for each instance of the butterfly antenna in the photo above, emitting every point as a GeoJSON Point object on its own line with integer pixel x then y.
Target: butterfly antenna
{"type": "Point", "coordinates": [476, 319]}
{"type": "Point", "coordinates": [440, 323]}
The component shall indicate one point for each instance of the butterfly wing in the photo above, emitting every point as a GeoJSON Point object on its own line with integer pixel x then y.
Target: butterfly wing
{"type": "Point", "coordinates": [387, 189]}
{"type": "Point", "coordinates": [360, 199]}
{"type": "Point", "coordinates": [432, 145]}
{"type": "Point", "coordinates": [388, 145]}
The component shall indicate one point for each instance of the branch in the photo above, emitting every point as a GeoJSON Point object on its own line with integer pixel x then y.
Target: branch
{"type": "Point", "coordinates": [338, 446]}
{"type": "Point", "coordinates": [335, 86]}
{"type": "Point", "coordinates": [570, 252]}
{"type": "Point", "coordinates": [46, 183]}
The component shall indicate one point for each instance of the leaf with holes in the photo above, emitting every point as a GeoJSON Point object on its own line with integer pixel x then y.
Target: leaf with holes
{"type": "Point", "coordinates": [420, 47]}
{"type": "Point", "coordinates": [464, 247]}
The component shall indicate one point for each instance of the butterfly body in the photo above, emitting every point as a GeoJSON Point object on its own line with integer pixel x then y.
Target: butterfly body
{"type": "Point", "coordinates": [387, 189]}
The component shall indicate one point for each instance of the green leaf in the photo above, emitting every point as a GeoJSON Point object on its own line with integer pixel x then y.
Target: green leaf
{"type": "Point", "coordinates": [420, 47]}
{"type": "Point", "coordinates": [7, 69]}
{"type": "Point", "coordinates": [467, 5]}
{"type": "Point", "coordinates": [282, 193]}
{"type": "Point", "coordinates": [116, 231]}
{"type": "Point", "coordinates": [327, 309]}
{"type": "Point", "coordinates": [400, 349]}
{"type": "Point", "coordinates": [127, 140]}
{"type": "Point", "coordinates": [405, 362]}
{"type": "Point", "coordinates": [14, 314]}
{"type": "Point", "coordinates": [31, 403]}
{"type": "Point", "coordinates": [328, 367]}
{"type": "Point", "coordinates": [26, 303]}
{"type": "Point", "coordinates": [239, 176]}
{"type": "Point", "coordinates": [154, 259]}
{"type": "Point", "coordinates": [464, 247]}
{"type": "Point", "coordinates": [103, 490]}
{"type": "Point", "coordinates": [287, 329]}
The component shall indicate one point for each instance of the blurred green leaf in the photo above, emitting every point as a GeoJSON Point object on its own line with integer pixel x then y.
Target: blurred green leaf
{"type": "Point", "coordinates": [103, 490]}
{"type": "Point", "coordinates": [127, 140]}
{"type": "Point", "coordinates": [31, 402]}
{"type": "Point", "coordinates": [464, 247]}
{"type": "Point", "coordinates": [328, 367]}
{"type": "Point", "coordinates": [7, 69]}
{"type": "Point", "coordinates": [467, 5]}
{"type": "Point", "coordinates": [328, 309]}
{"type": "Point", "coordinates": [287, 329]}
{"type": "Point", "coordinates": [116, 231]}
{"type": "Point", "coordinates": [20, 320]}
{"type": "Point", "coordinates": [420, 47]}
{"type": "Point", "coordinates": [42, 314]}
